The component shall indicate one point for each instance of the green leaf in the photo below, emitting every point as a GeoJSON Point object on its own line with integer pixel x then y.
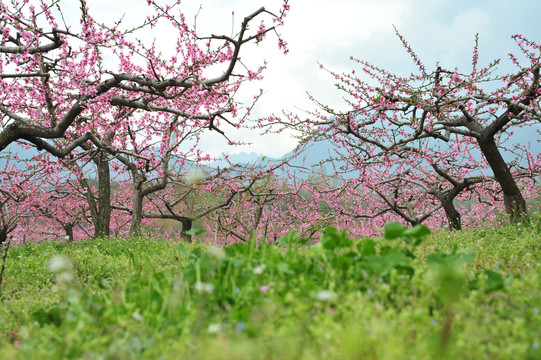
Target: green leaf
{"type": "Point", "coordinates": [494, 281]}
{"type": "Point", "coordinates": [284, 268]}
{"type": "Point", "coordinates": [384, 250]}
{"type": "Point", "coordinates": [367, 247]}
{"type": "Point", "coordinates": [196, 253]}
{"type": "Point", "coordinates": [382, 265]}
{"type": "Point", "coordinates": [292, 237]}
{"type": "Point", "coordinates": [237, 249]}
{"type": "Point", "coordinates": [52, 316]}
{"type": "Point", "coordinates": [453, 259]}
{"type": "Point", "coordinates": [195, 232]}
{"type": "Point", "coordinates": [393, 230]}
{"type": "Point", "coordinates": [417, 233]}
{"type": "Point", "coordinates": [473, 284]}
{"type": "Point", "coordinates": [344, 262]}
{"type": "Point", "coordinates": [450, 277]}
{"type": "Point", "coordinates": [104, 284]}
{"type": "Point", "coordinates": [451, 284]}
{"type": "Point", "coordinates": [183, 250]}
{"type": "Point", "coordinates": [238, 263]}
{"type": "Point", "coordinates": [332, 239]}
{"type": "Point", "coordinates": [189, 274]}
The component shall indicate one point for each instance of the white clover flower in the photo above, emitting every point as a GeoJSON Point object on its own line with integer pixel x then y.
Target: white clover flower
{"type": "Point", "coordinates": [137, 316]}
{"type": "Point", "coordinates": [59, 263]}
{"type": "Point", "coordinates": [258, 270]}
{"type": "Point", "coordinates": [217, 252]}
{"type": "Point", "coordinates": [326, 295]}
{"type": "Point", "coordinates": [203, 287]}
{"type": "Point", "coordinates": [64, 278]}
{"type": "Point", "coordinates": [214, 329]}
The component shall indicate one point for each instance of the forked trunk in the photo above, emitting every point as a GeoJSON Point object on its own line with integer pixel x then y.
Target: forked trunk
{"type": "Point", "coordinates": [69, 232]}
{"type": "Point", "coordinates": [137, 213]}
{"type": "Point", "coordinates": [453, 216]}
{"type": "Point", "coordinates": [100, 211]}
{"type": "Point", "coordinates": [515, 205]}
{"type": "Point", "coordinates": [186, 226]}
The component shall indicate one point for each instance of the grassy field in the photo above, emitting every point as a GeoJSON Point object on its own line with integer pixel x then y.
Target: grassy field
{"type": "Point", "coordinates": [411, 295]}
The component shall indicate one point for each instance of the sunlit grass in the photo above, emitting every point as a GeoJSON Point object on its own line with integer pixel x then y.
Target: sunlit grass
{"type": "Point", "coordinates": [341, 299]}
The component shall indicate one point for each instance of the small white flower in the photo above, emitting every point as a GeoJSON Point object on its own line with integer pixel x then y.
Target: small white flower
{"type": "Point", "coordinates": [214, 329]}
{"type": "Point", "coordinates": [59, 263]}
{"type": "Point", "coordinates": [326, 295]}
{"type": "Point", "coordinates": [137, 316]}
{"type": "Point", "coordinates": [203, 287]}
{"type": "Point", "coordinates": [258, 270]}
{"type": "Point", "coordinates": [217, 252]}
{"type": "Point", "coordinates": [64, 278]}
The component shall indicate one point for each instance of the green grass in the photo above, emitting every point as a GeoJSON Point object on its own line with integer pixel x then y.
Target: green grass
{"type": "Point", "coordinates": [400, 297]}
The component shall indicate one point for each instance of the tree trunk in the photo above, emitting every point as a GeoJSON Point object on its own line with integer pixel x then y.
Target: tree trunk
{"type": "Point", "coordinates": [137, 207]}
{"type": "Point", "coordinates": [4, 231]}
{"type": "Point", "coordinates": [186, 226]}
{"type": "Point", "coordinates": [69, 232]}
{"type": "Point", "coordinates": [453, 216]}
{"type": "Point", "coordinates": [257, 218]}
{"type": "Point", "coordinates": [102, 224]}
{"type": "Point", "coordinates": [515, 205]}
{"type": "Point", "coordinates": [100, 212]}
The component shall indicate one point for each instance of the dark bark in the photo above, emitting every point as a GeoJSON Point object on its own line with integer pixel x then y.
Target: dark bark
{"type": "Point", "coordinates": [3, 235]}
{"type": "Point", "coordinates": [139, 194]}
{"type": "Point", "coordinates": [514, 202]}
{"type": "Point", "coordinates": [55, 44]}
{"type": "Point", "coordinates": [6, 229]}
{"type": "Point", "coordinates": [186, 226]}
{"type": "Point", "coordinates": [257, 219]}
{"type": "Point", "coordinates": [452, 214]}
{"type": "Point", "coordinates": [137, 206]}
{"type": "Point", "coordinates": [69, 232]}
{"type": "Point", "coordinates": [22, 128]}
{"type": "Point", "coordinates": [102, 225]}
{"type": "Point", "coordinates": [515, 205]}
{"type": "Point", "coordinates": [100, 212]}
{"type": "Point", "coordinates": [446, 197]}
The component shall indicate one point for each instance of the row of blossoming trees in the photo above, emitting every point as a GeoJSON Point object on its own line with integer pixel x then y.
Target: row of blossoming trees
{"type": "Point", "coordinates": [117, 122]}
{"type": "Point", "coordinates": [420, 145]}
{"type": "Point", "coordinates": [115, 126]}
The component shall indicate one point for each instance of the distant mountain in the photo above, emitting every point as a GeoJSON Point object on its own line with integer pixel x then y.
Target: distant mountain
{"type": "Point", "coordinates": [243, 157]}
{"type": "Point", "coordinates": [311, 158]}
{"type": "Point", "coordinates": [313, 154]}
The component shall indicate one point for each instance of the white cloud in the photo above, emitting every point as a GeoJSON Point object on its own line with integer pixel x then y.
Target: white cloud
{"type": "Point", "coordinates": [327, 31]}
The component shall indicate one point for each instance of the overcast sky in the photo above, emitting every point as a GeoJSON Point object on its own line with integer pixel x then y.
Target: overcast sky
{"type": "Point", "coordinates": [330, 31]}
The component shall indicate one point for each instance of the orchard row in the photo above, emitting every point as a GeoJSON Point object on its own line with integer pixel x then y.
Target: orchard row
{"type": "Point", "coordinates": [118, 128]}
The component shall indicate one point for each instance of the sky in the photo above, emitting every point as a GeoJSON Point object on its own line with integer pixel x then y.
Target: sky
{"type": "Point", "coordinates": [331, 31]}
